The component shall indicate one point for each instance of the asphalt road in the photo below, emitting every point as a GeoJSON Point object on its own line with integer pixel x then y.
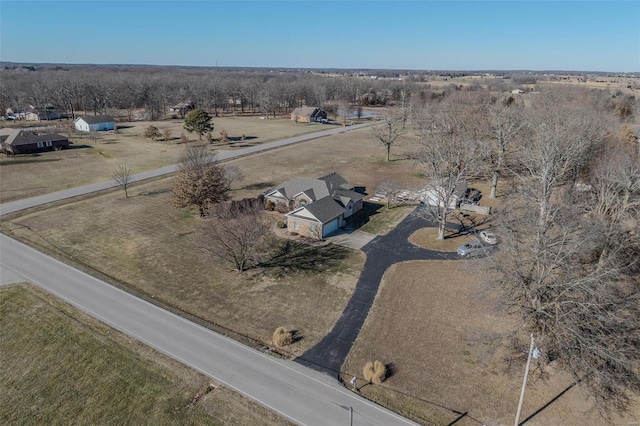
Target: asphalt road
{"type": "Point", "coordinates": [18, 205]}
{"type": "Point", "coordinates": [304, 396]}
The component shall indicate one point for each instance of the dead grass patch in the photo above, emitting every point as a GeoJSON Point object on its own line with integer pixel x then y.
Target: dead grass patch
{"type": "Point", "coordinates": [426, 238]}
{"type": "Point", "coordinates": [446, 353]}
{"type": "Point", "coordinates": [60, 365]}
{"type": "Point", "coordinates": [88, 161]}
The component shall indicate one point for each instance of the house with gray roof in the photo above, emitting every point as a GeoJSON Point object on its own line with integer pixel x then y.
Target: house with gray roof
{"type": "Point", "coordinates": [16, 141]}
{"type": "Point", "coordinates": [317, 207]}
{"type": "Point", "coordinates": [306, 114]}
{"type": "Point", "coordinates": [95, 123]}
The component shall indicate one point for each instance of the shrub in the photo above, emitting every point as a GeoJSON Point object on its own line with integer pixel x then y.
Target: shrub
{"type": "Point", "coordinates": [270, 205]}
{"type": "Point", "coordinates": [374, 372]}
{"type": "Point", "coordinates": [281, 224]}
{"type": "Point", "coordinates": [224, 137]}
{"type": "Point", "coordinates": [281, 208]}
{"type": "Point", "coordinates": [293, 233]}
{"type": "Point", "coordinates": [282, 337]}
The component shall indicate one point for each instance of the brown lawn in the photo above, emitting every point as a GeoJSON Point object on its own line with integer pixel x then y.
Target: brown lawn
{"type": "Point", "coordinates": [144, 242]}
{"type": "Point", "coordinates": [445, 345]}
{"type": "Point", "coordinates": [93, 161]}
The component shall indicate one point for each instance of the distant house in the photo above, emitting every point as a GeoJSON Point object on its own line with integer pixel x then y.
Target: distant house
{"type": "Point", "coordinates": [517, 91]}
{"type": "Point", "coordinates": [16, 141]}
{"type": "Point", "coordinates": [317, 207]}
{"type": "Point", "coordinates": [42, 114]}
{"type": "Point", "coordinates": [182, 107]}
{"type": "Point", "coordinates": [307, 114]}
{"type": "Point", "coordinates": [95, 123]}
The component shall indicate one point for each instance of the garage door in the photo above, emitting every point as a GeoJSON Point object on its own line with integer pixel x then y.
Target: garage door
{"type": "Point", "coordinates": [330, 227]}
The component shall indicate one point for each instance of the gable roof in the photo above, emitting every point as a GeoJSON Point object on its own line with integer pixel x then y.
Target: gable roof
{"type": "Point", "coordinates": [324, 209]}
{"type": "Point", "coordinates": [306, 111]}
{"type": "Point", "coordinates": [314, 188]}
{"type": "Point", "coordinates": [17, 137]}
{"type": "Point", "coordinates": [97, 119]}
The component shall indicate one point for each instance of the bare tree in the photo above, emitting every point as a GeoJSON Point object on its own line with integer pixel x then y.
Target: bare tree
{"type": "Point", "coordinates": [122, 175]}
{"type": "Point", "coordinates": [389, 189]}
{"type": "Point", "coordinates": [343, 112]}
{"type": "Point", "coordinates": [200, 182]}
{"type": "Point", "coordinates": [236, 234]}
{"type": "Point", "coordinates": [569, 263]}
{"type": "Point", "coordinates": [450, 152]}
{"type": "Point", "coordinates": [505, 123]}
{"type": "Point", "coordinates": [389, 131]}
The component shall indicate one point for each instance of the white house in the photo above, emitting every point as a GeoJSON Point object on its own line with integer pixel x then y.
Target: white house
{"type": "Point", "coordinates": [95, 123]}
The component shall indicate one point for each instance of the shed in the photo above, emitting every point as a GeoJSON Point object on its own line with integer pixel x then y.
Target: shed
{"type": "Point", "coordinates": [95, 123]}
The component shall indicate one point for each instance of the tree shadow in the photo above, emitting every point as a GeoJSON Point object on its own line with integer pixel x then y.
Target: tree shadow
{"type": "Point", "coordinates": [294, 256]}
{"type": "Point", "coordinates": [545, 406]}
{"type": "Point", "coordinates": [258, 186]}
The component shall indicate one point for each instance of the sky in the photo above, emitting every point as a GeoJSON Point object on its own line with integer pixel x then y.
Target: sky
{"type": "Point", "coordinates": [415, 35]}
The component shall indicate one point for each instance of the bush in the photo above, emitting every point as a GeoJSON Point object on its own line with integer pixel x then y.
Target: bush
{"type": "Point", "coordinates": [281, 224]}
{"type": "Point", "coordinates": [270, 205]}
{"type": "Point", "coordinates": [374, 372]}
{"type": "Point", "coordinates": [293, 233]}
{"type": "Point", "coordinates": [281, 208]}
{"type": "Point", "coordinates": [282, 337]}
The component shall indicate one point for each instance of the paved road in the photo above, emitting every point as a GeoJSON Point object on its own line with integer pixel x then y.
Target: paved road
{"type": "Point", "coordinates": [18, 205]}
{"type": "Point", "coordinates": [304, 396]}
{"type": "Point", "coordinates": [329, 354]}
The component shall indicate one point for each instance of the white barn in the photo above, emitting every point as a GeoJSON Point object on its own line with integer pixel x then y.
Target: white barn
{"type": "Point", "coordinates": [95, 123]}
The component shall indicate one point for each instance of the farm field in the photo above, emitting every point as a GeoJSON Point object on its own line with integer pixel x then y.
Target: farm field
{"type": "Point", "coordinates": [60, 365]}
{"type": "Point", "coordinates": [92, 160]}
{"type": "Point", "coordinates": [446, 348]}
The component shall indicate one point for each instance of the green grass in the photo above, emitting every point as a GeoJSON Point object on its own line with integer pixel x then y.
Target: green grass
{"type": "Point", "coordinates": [60, 366]}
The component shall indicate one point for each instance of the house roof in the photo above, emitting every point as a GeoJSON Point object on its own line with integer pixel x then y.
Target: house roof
{"type": "Point", "coordinates": [314, 188]}
{"type": "Point", "coordinates": [17, 137]}
{"type": "Point", "coordinates": [324, 209]}
{"type": "Point", "coordinates": [305, 111]}
{"type": "Point", "coordinates": [97, 119]}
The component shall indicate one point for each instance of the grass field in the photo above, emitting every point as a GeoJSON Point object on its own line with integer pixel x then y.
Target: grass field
{"type": "Point", "coordinates": [446, 350]}
{"type": "Point", "coordinates": [93, 161]}
{"type": "Point", "coordinates": [60, 366]}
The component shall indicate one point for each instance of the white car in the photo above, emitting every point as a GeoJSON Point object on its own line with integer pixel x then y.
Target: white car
{"type": "Point", "coordinates": [488, 237]}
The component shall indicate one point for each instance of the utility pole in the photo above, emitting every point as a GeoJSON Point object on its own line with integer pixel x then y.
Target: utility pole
{"type": "Point", "coordinates": [524, 382]}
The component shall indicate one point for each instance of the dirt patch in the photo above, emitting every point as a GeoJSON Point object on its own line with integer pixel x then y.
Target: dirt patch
{"type": "Point", "coordinates": [444, 348]}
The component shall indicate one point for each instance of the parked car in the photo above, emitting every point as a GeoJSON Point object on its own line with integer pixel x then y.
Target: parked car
{"type": "Point", "coordinates": [474, 248]}
{"type": "Point", "coordinates": [488, 237]}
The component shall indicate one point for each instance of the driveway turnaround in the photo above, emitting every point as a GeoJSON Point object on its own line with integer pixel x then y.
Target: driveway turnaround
{"type": "Point", "coordinates": [299, 394]}
{"type": "Point", "coordinates": [18, 205]}
{"type": "Point", "coordinates": [329, 354]}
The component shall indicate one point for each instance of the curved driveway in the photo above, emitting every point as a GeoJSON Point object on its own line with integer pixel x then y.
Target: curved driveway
{"type": "Point", "coordinates": [18, 205]}
{"type": "Point", "coordinates": [329, 354]}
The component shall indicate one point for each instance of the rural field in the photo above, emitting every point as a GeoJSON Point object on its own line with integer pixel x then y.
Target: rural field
{"type": "Point", "coordinates": [92, 160]}
{"type": "Point", "coordinates": [60, 365]}
{"type": "Point", "coordinates": [145, 243]}
{"type": "Point", "coordinates": [431, 321]}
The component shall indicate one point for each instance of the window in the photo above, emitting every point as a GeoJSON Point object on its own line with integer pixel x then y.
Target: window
{"type": "Point", "coordinates": [295, 225]}
{"type": "Point", "coordinates": [48, 143]}
{"type": "Point", "coordinates": [40, 145]}
{"type": "Point", "coordinates": [313, 229]}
